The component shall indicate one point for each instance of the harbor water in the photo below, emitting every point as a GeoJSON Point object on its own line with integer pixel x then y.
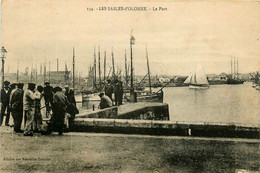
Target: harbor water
{"type": "Point", "coordinates": [218, 104]}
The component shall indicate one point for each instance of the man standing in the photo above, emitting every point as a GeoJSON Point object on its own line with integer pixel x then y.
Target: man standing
{"type": "Point", "coordinates": [48, 97]}
{"type": "Point", "coordinates": [29, 108]}
{"type": "Point", "coordinates": [37, 116]}
{"type": "Point", "coordinates": [69, 93]}
{"type": "Point", "coordinates": [72, 107]}
{"type": "Point", "coordinates": [13, 88]}
{"type": "Point", "coordinates": [60, 103]}
{"type": "Point", "coordinates": [109, 89]}
{"type": "Point", "coordinates": [118, 92]}
{"type": "Point", "coordinates": [5, 96]}
{"type": "Point", "coordinates": [105, 101]}
{"type": "Point", "coordinates": [17, 107]}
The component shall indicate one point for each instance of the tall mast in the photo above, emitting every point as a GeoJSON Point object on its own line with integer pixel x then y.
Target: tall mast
{"type": "Point", "coordinates": [49, 71]}
{"type": "Point", "coordinates": [57, 64]}
{"type": "Point", "coordinates": [79, 78]}
{"type": "Point", "coordinates": [66, 74]}
{"type": "Point", "coordinates": [41, 69]}
{"type": "Point", "coordinates": [126, 77]}
{"type": "Point", "coordinates": [17, 77]}
{"type": "Point", "coordinates": [44, 69]}
{"type": "Point", "coordinates": [32, 72]}
{"type": "Point", "coordinates": [36, 74]}
{"type": "Point", "coordinates": [95, 68]}
{"type": "Point", "coordinates": [105, 66]}
{"type": "Point", "coordinates": [231, 68]}
{"type": "Point", "coordinates": [73, 68]}
{"type": "Point", "coordinates": [132, 41]}
{"type": "Point", "coordinates": [148, 68]}
{"type": "Point", "coordinates": [99, 68]}
{"type": "Point", "coordinates": [237, 68]}
{"type": "Point", "coordinates": [234, 68]}
{"type": "Point", "coordinates": [113, 64]}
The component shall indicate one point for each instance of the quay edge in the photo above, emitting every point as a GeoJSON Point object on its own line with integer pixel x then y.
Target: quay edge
{"type": "Point", "coordinates": [168, 128]}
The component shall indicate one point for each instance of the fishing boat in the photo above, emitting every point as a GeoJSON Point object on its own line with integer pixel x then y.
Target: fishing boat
{"type": "Point", "coordinates": [93, 87]}
{"type": "Point", "coordinates": [145, 96]}
{"type": "Point", "coordinates": [142, 96]}
{"type": "Point", "coordinates": [234, 77]}
{"type": "Point", "coordinates": [198, 79]}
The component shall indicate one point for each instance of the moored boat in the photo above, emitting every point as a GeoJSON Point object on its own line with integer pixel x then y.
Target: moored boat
{"type": "Point", "coordinates": [142, 96]}
{"type": "Point", "coordinates": [234, 79]}
{"type": "Point", "coordinates": [198, 79]}
{"type": "Point", "coordinates": [231, 81]}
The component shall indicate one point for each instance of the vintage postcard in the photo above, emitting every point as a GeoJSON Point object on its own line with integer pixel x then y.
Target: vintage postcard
{"type": "Point", "coordinates": [130, 86]}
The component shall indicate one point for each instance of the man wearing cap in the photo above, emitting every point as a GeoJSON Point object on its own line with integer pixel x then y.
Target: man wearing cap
{"type": "Point", "coordinates": [109, 89]}
{"type": "Point", "coordinates": [118, 91]}
{"type": "Point", "coordinates": [16, 103]}
{"type": "Point", "coordinates": [72, 109]}
{"type": "Point", "coordinates": [48, 97]}
{"type": "Point", "coordinates": [105, 101]}
{"type": "Point", "coordinates": [29, 108]}
{"type": "Point", "coordinates": [5, 97]}
{"type": "Point", "coordinates": [60, 103]}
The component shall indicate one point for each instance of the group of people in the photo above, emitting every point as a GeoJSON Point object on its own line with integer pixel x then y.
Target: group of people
{"type": "Point", "coordinates": [110, 89]}
{"type": "Point", "coordinates": [25, 106]}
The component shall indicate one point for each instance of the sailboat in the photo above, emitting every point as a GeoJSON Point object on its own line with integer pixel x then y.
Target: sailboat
{"type": "Point", "coordinates": [147, 96]}
{"type": "Point", "coordinates": [198, 79]}
{"type": "Point", "coordinates": [234, 79]}
{"type": "Point", "coordinates": [90, 98]}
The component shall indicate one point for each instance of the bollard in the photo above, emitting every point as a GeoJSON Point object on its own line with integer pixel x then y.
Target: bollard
{"type": "Point", "coordinates": [135, 96]}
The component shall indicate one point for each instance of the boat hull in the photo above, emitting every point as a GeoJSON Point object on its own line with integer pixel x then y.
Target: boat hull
{"type": "Point", "coordinates": [234, 82]}
{"type": "Point", "coordinates": [199, 86]}
{"type": "Point", "coordinates": [155, 97]}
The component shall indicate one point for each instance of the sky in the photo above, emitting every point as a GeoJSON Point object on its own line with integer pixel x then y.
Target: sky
{"type": "Point", "coordinates": [187, 34]}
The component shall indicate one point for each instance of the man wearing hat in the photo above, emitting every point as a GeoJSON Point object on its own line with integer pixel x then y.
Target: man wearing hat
{"type": "Point", "coordinates": [60, 103]}
{"type": "Point", "coordinates": [13, 88]}
{"type": "Point", "coordinates": [17, 107]}
{"type": "Point", "coordinates": [118, 92]}
{"type": "Point", "coordinates": [48, 97]}
{"type": "Point", "coordinates": [105, 101]}
{"type": "Point", "coordinates": [29, 108]}
{"type": "Point", "coordinates": [5, 97]}
{"type": "Point", "coordinates": [72, 109]}
{"type": "Point", "coordinates": [109, 89]}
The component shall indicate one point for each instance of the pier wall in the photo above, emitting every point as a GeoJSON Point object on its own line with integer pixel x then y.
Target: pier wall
{"type": "Point", "coordinates": [111, 112]}
{"type": "Point", "coordinates": [144, 111]}
{"type": "Point", "coordinates": [153, 127]}
{"type": "Point", "coordinates": [141, 111]}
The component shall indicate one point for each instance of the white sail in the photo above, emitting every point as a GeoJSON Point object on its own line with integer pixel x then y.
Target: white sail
{"type": "Point", "coordinates": [188, 80]}
{"type": "Point", "coordinates": [200, 76]}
